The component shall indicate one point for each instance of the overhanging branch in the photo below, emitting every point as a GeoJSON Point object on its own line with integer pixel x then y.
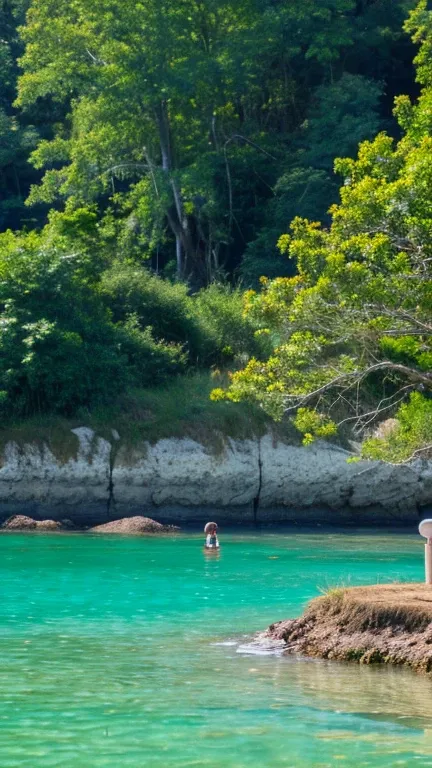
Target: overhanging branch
{"type": "Point", "coordinates": [352, 379]}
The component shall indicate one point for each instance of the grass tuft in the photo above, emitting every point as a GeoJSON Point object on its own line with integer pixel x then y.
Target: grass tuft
{"type": "Point", "coordinates": [359, 609]}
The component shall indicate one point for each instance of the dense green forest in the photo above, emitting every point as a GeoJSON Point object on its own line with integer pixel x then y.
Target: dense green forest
{"type": "Point", "coordinates": [153, 156]}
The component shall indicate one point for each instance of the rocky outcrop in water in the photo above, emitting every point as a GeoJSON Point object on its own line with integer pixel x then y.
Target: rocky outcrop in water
{"type": "Point", "coordinates": [133, 526]}
{"type": "Point", "coordinates": [179, 480]}
{"type": "Point", "coordinates": [382, 624]}
{"type": "Point", "coordinates": [24, 523]}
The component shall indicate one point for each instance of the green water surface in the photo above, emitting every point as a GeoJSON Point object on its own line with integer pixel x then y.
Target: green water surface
{"type": "Point", "coordinates": [133, 652]}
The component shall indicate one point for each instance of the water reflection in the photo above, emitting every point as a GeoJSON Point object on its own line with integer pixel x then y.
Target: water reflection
{"type": "Point", "coordinates": [212, 554]}
{"type": "Point", "coordinates": [373, 691]}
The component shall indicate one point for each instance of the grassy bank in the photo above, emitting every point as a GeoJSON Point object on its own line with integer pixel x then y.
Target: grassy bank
{"type": "Point", "coordinates": [382, 624]}
{"type": "Point", "coordinates": [182, 408]}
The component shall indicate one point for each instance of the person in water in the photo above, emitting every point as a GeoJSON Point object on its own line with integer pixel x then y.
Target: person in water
{"type": "Point", "coordinates": [211, 540]}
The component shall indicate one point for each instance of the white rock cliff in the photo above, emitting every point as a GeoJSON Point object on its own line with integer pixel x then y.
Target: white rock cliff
{"type": "Point", "coordinates": [180, 480]}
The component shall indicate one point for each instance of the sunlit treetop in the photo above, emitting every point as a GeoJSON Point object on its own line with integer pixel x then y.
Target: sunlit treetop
{"type": "Point", "coordinates": [353, 329]}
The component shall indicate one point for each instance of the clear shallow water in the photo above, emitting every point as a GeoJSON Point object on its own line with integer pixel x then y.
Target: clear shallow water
{"type": "Point", "coordinates": [124, 653]}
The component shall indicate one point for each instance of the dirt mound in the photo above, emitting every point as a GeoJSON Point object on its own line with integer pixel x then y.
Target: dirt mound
{"type": "Point", "coordinates": [24, 523]}
{"type": "Point", "coordinates": [388, 623]}
{"type": "Point", "coordinates": [134, 525]}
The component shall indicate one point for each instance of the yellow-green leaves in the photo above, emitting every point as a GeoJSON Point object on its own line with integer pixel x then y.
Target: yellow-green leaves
{"type": "Point", "coordinates": [313, 425]}
{"type": "Point", "coordinates": [409, 435]}
{"type": "Point", "coordinates": [354, 327]}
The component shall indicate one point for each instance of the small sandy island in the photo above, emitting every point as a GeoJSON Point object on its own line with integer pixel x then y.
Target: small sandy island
{"type": "Point", "coordinates": [24, 523]}
{"type": "Point", "coordinates": [383, 624]}
{"type": "Point", "coordinates": [133, 526]}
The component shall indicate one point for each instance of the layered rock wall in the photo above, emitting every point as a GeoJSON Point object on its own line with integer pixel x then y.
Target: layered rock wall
{"type": "Point", "coordinates": [179, 480]}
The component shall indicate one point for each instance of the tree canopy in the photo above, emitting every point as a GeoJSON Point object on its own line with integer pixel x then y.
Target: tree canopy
{"type": "Point", "coordinates": [353, 326]}
{"type": "Point", "coordinates": [153, 153]}
{"type": "Point", "coordinates": [180, 117]}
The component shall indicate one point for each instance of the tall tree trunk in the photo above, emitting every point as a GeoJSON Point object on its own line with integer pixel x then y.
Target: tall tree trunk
{"type": "Point", "coordinates": [179, 257]}
{"type": "Point", "coordinates": [164, 135]}
{"type": "Point", "coordinates": [177, 219]}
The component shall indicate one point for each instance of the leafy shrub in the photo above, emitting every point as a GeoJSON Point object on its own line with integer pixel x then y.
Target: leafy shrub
{"type": "Point", "coordinates": [128, 289]}
{"type": "Point", "coordinates": [226, 331]}
{"type": "Point", "coordinates": [72, 337]}
{"type": "Point", "coordinates": [59, 348]}
{"type": "Point", "coordinates": [411, 435]}
{"type": "Point", "coordinates": [210, 324]}
{"type": "Point", "coordinates": [149, 362]}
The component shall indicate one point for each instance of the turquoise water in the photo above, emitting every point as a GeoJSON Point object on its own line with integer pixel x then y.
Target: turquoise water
{"type": "Point", "coordinates": [127, 652]}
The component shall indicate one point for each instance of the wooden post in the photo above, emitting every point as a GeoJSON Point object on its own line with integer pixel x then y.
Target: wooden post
{"type": "Point", "coordinates": [428, 561]}
{"type": "Point", "coordinates": [425, 530]}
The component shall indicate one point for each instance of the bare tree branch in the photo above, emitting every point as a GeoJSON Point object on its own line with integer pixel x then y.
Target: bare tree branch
{"type": "Point", "coordinates": [120, 166]}
{"type": "Point", "coordinates": [353, 378]}
{"type": "Point", "coordinates": [413, 455]}
{"type": "Point", "coordinates": [95, 59]}
{"type": "Point", "coordinates": [371, 415]}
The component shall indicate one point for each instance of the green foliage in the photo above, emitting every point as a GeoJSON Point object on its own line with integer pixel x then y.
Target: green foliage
{"type": "Point", "coordinates": [185, 137]}
{"type": "Point", "coordinates": [182, 115]}
{"type": "Point", "coordinates": [148, 361]}
{"type": "Point", "coordinates": [410, 436]}
{"type": "Point", "coordinates": [306, 192]}
{"type": "Point", "coordinates": [59, 347]}
{"type": "Point", "coordinates": [342, 114]}
{"type": "Point", "coordinates": [228, 334]}
{"type": "Point", "coordinates": [313, 425]}
{"type": "Point", "coordinates": [17, 139]}
{"type": "Point", "coordinates": [210, 325]}
{"type": "Point", "coordinates": [128, 289]}
{"type": "Point", "coordinates": [74, 333]}
{"type": "Point", "coordinates": [353, 326]}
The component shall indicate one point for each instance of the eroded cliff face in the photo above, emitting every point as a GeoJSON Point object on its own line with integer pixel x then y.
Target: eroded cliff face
{"type": "Point", "coordinates": [179, 480]}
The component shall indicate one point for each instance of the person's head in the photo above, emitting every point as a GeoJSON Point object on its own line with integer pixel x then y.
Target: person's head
{"type": "Point", "coordinates": [211, 528]}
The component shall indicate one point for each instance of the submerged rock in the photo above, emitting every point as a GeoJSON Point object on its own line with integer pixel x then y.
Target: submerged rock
{"type": "Point", "coordinates": [387, 623]}
{"type": "Point", "coordinates": [24, 523]}
{"type": "Point", "coordinates": [134, 525]}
